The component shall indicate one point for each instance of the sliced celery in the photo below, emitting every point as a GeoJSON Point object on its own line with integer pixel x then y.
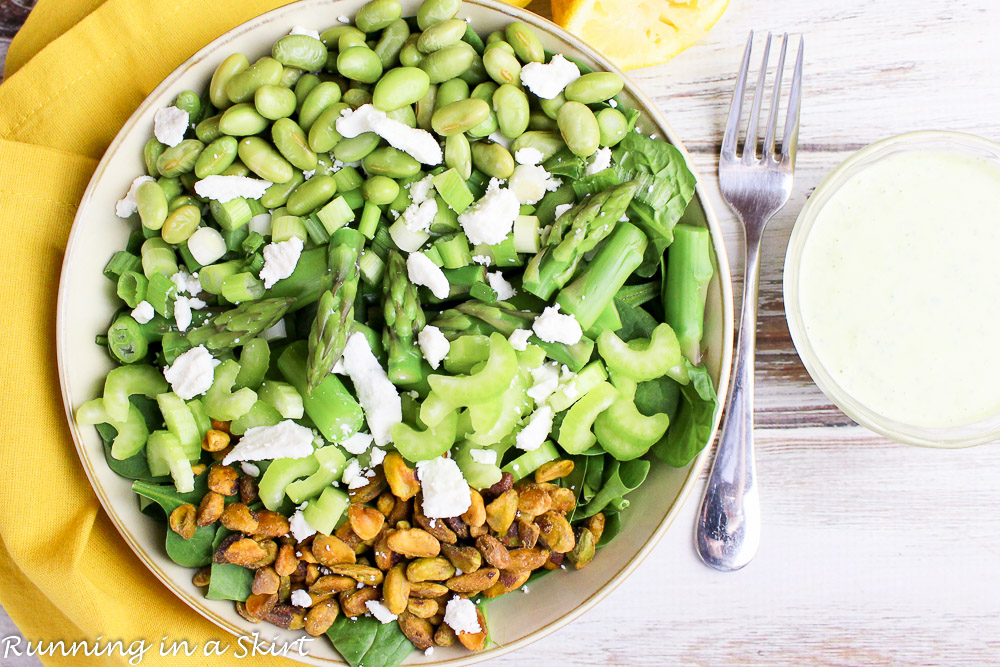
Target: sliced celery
{"type": "Point", "coordinates": [220, 401]}
{"type": "Point", "coordinates": [324, 513]}
{"type": "Point", "coordinates": [260, 414]}
{"type": "Point", "coordinates": [424, 445]}
{"type": "Point", "coordinates": [255, 357]}
{"type": "Point", "coordinates": [279, 474]}
{"type": "Point", "coordinates": [132, 432]}
{"type": "Point", "coordinates": [332, 462]}
{"type": "Point", "coordinates": [165, 455]}
{"type": "Point", "coordinates": [529, 462]}
{"type": "Point", "coordinates": [125, 381]}
{"type": "Point", "coordinates": [181, 422]}
{"type": "Point", "coordinates": [285, 398]}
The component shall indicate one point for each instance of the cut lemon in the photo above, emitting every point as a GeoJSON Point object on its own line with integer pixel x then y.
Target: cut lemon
{"type": "Point", "coordinates": [637, 33]}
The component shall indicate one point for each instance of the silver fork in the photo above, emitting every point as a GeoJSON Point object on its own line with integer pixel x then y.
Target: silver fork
{"type": "Point", "coordinates": [755, 187]}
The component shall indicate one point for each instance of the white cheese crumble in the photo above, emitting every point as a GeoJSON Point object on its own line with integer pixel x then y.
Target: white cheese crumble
{"type": "Point", "coordinates": [192, 373]}
{"type": "Point", "coordinates": [612, 103]}
{"type": "Point", "coordinates": [353, 476]}
{"type": "Point", "coordinates": [419, 144]}
{"type": "Point", "coordinates": [301, 598]}
{"type": "Point", "coordinates": [562, 208]}
{"type": "Point", "coordinates": [500, 285]}
{"type": "Point", "coordinates": [537, 430]}
{"type": "Point", "coordinates": [421, 190]}
{"type": "Point", "coordinates": [207, 245]}
{"type": "Point", "coordinates": [519, 339]}
{"type": "Point", "coordinates": [378, 396]}
{"type": "Point", "coordinates": [298, 526]}
{"type": "Point", "coordinates": [461, 615]}
{"type": "Point", "coordinates": [343, 19]}
{"type": "Point", "coordinates": [378, 610]}
{"type": "Point", "coordinates": [433, 345]}
{"type": "Point", "coordinates": [186, 283]}
{"type": "Point", "coordinates": [275, 332]}
{"type": "Point", "coordinates": [299, 30]}
{"type": "Point", "coordinates": [126, 205]}
{"type": "Point", "coordinates": [548, 80]}
{"type": "Point", "coordinates": [182, 310]}
{"type": "Point", "coordinates": [446, 493]}
{"type": "Point", "coordinates": [227, 188]}
{"type": "Point", "coordinates": [143, 312]}
{"type": "Point", "coordinates": [250, 469]}
{"type": "Point", "coordinates": [260, 224]}
{"type": "Point", "coordinates": [358, 443]}
{"type": "Point", "coordinates": [430, 649]}
{"type": "Point", "coordinates": [486, 457]}
{"type": "Point", "coordinates": [418, 217]}
{"type": "Point", "coordinates": [377, 456]}
{"type": "Point", "coordinates": [528, 155]}
{"type": "Point", "coordinates": [422, 271]}
{"type": "Point", "coordinates": [499, 138]}
{"type": "Point", "coordinates": [600, 161]}
{"type": "Point", "coordinates": [484, 260]}
{"type": "Point", "coordinates": [554, 327]}
{"type": "Point", "coordinates": [280, 260]}
{"type": "Point", "coordinates": [546, 381]}
{"type": "Point", "coordinates": [530, 183]}
{"type": "Point", "coordinates": [169, 125]}
{"type": "Point", "coordinates": [491, 219]}
{"type": "Point", "coordinates": [284, 440]}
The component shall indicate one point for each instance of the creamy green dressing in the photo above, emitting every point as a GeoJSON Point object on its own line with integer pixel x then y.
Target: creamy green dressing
{"type": "Point", "coordinates": [900, 288]}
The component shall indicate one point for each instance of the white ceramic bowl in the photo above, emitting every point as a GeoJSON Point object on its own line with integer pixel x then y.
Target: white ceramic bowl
{"type": "Point", "coordinates": [85, 307]}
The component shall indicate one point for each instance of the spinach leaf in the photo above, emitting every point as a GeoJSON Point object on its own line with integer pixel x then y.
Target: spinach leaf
{"type": "Point", "coordinates": [592, 481]}
{"type": "Point", "coordinates": [636, 321]}
{"type": "Point", "coordinates": [620, 478]}
{"type": "Point", "coordinates": [197, 551]}
{"type": "Point", "coordinates": [594, 183]}
{"type": "Point", "coordinates": [566, 163]}
{"type": "Point", "coordinates": [659, 396]}
{"type": "Point", "coordinates": [612, 526]}
{"type": "Point", "coordinates": [366, 641]}
{"type": "Point", "coordinates": [692, 426]}
{"type": "Point", "coordinates": [134, 467]}
{"type": "Point", "coordinates": [228, 582]}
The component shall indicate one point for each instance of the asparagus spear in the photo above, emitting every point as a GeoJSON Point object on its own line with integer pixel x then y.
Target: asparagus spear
{"type": "Point", "coordinates": [573, 234]}
{"type": "Point", "coordinates": [240, 324]}
{"type": "Point", "coordinates": [335, 314]}
{"type": "Point", "coordinates": [403, 321]}
{"type": "Point", "coordinates": [689, 271]}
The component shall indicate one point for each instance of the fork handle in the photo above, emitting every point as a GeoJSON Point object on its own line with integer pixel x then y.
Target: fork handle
{"type": "Point", "coordinates": [728, 530]}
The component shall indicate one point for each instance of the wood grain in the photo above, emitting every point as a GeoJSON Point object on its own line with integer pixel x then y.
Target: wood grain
{"type": "Point", "coordinates": [873, 553]}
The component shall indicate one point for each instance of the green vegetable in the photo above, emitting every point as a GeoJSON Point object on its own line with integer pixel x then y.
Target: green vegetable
{"type": "Point", "coordinates": [620, 478]}
{"type": "Point", "coordinates": [332, 462]}
{"type": "Point", "coordinates": [404, 319]}
{"type": "Point", "coordinates": [622, 430]}
{"type": "Point", "coordinates": [692, 427]}
{"type": "Point", "coordinates": [424, 445]}
{"type": "Point", "coordinates": [483, 385]}
{"type": "Point", "coordinates": [364, 641]}
{"type": "Point", "coordinates": [641, 359]}
{"type": "Point", "coordinates": [574, 433]}
{"type": "Point", "coordinates": [221, 401]}
{"type": "Point", "coordinates": [279, 474]}
{"type": "Point", "coordinates": [126, 381]}
{"type": "Point", "coordinates": [197, 551]}
{"type": "Point", "coordinates": [238, 325]}
{"type": "Point", "coordinates": [228, 581]}
{"type": "Point", "coordinates": [689, 271]}
{"type": "Point", "coordinates": [325, 512]}
{"type": "Point", "coordinates": [130, 434]}
{"type": "Point", "coordinates": [529, 462]}
{"type": "Point", "coordinates": [334, 411]}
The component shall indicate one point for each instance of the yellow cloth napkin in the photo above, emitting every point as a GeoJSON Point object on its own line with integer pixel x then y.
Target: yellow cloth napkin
{"type": "Point", "coordinates": [75, 73]}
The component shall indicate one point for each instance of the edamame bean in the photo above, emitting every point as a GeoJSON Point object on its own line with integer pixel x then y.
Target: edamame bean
{"type": "Point", "coordinates": [216, 157]}
{"type": "Point", "coordinates": [356, 148]}
{"type": "Point", "coordinates": [484, 92]}
{"type": "Point", "coordinates": [579, 129]}
{"type": "Point", "coordinates": [237, 168]}
{"type": "Point", "coordinates": [151, 153]}
{"type": "Point", "coordinates": [400, 87]}
{"type": "Point", "coordinates": [476, 74]}
{"type": "Point", "coordinates": [551, 107]}
{"type": "Point", "coordinates": [264, 160]}
{"type": "Point", "coordinates": [331, 36]}
{"type": "Point", "coordinates": [180, 224]}
{"type": "Point", "coordinates": [182, 200]}
{"type": "Point", "coordinates": [290, 76]}
{"type": "Point", "coordinates": [499, 44]}
{"type": "Point", "coordinates": [277, 195]}
{"type": "Point", "coordinates": [301, 51]}
{"type": "Point", "coordinates": [391, 43]}
{"type": "Point", "coordinates": [189, 101]}
{"type": "Point", "coordinates": [613, 126]}
{"type": "Point", "coordinates": [380, 190]}
{"type": "Point", "coordinates": [243, 85]}
{"type": "Point", "coordinates": [448, 62]}
{"type": "Point", "coordinates": [323, 135]}
{"type": "Point", "coordinates": [546, 143]}
{"type": "Point", "coordinates": [357, 97]}
{"type": "Point", "coordinates": [495, 36]}
{"type": "Point", "coordinates": [502, 67]}
{"type": "Point", "coordinates": [312, 194]}
{"type": "Point", "coordinates": [492, 159]}
{"type": "Point", "coordinates": [435, 11]}
{"type": "Point", "coordinates": [171, 187]}
{"type": "Point", "coordinates": [349, 40]}
{"type": "Point", "coordinates": [450, 91]}
{"type": "Point", "coordinates": [306, 85]}
{"type": "Point", "coordinates": [458, 154]}
{"type": "Point", "coordinates": [378, 14]}
{"type": "Point", "coordinates": [322, 96]}
{"type": "Point", "coordinates": [226, 70]}
{"type": "Point", "coordinates": [404, 115]}
{"type": "Point", "coordinates": [539, 121]}
{"type": "Point", "coordinates": [442, 34]}
{"type": "Point", "coordinates": [152, 205]}
{"type": "Point", "coordinates": [208, 130]}
{"type": "Point", "coordinates": [360, 64]}
{"type": "Point", "coordinates": [291, 142]}
{"type": "Point", "coordinates": [242, 120]}
{"type": "Point", "coordinates": [594, 87]}
{"type": "Point", "coordinates": [425, 107]}
{"type": "Point", "coordinates": [510, 105]}
{"type": "Point", "coordinates": [387, 161]}
{"type": "Point", "coordinates": [274, 102]}
{"type": "Point", "coordinates": [180, 159]}
{"type": "Point", "coordinates": [188, 179]}
{"type": "Point", "coordinates": [410, 55]}
{"type": "Point", "coordinates": [460, 116]}
{"type": "Point", "coordinates": [526, 44]}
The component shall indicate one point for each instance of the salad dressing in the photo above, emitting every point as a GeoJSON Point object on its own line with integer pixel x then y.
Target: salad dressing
{"type": "Point", "coordinates": [900, 287]}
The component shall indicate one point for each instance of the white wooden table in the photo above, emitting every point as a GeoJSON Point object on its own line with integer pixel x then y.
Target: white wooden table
{"type": "Point", "coordinates": [872, 552]}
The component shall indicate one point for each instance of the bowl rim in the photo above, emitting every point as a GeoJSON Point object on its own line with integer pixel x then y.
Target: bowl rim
{"type": "Point", "coordinates": [694, 469]}
{"type": "Point", "coordinates": [964, 435]}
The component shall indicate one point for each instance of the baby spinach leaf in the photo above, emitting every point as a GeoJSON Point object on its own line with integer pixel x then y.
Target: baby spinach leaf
{"type": "Point", "coordinates": [197, 551]}
{"type": "Point", "coordinates": [134, 467]}
{"type": "Point", "coordinates": [690, 430]}
{"type": "Point", "coordinates": [592, 482]}
{"type": "Point", "coordinates": [366, 641]}
{"type": "Point", "coordinates": [566, 163]}
{"type": "Point", "coordinates": [228, 582]}
{"type": "Point", "coordinates": [636, 321]}
{"type": "Point", "coordinates": [659, 396]}
{"type": "Point", "coordinates": [620, 478]}
{"type": "Point", "coordinates": [167, 496]}
{"type": "Point", "coordinates": [597, 182]}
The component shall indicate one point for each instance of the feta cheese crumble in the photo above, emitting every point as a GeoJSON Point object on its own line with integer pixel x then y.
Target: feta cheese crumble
{"type": "Point", "coordinates": [343, 19]}
{"type": "Point", "coordinates": [554, 327]}
{"type": "Point", "coordinates": [186, 283]}
{"type": "Point", "coordinates": [420, 190]}
{"type": "Point", "coordinates": [358, 443]}
{"type": "Point", "coordinates": [491, 219]}
{"type": "Point", "coordinates": [419, 144]}
{"type": "Point", "coordinates": [299, 30]}
{"type": "Point", "coordinates": [301, 598]}
{"type": "Point", "coordinates": [182, 310]}
{"type": "Point", "coordinates": [192, 373]}
{"type": "Point", "coordinates": [143, 312]}
{"type": "Point", "coordinates": [486, 457]}
{"type": "Point", "coordinates": [500, 285]}
{"type": "Point", "coordinates": [280, 260]}
{"type": "Point", "coordinates": [446, 493]}
{"type": "Point", "coordinates": [169, 125]}
{"type": "Point", "coordinates": [548, 80]}
{"type": "Point", "coordinates": [484, 260]}
{"type": "Point", "coordinates": [418, 217]}
{"type": "Point", "coordinates": [250, 469]}
{"type": "Point", "coordinates": [528, 155]}
{"type": "Point", "coordinates": [377, 456]}
{"type": "Point", "coordinates": [537, 430]}
{"type": "Point", "coordinates": [430, 649]}
{"type": "Point", "coordinates": [433, 345]}
{"type": "Point", "coordinates": [126, 205]}
{"type": "Point", "coordinates": [562, 208]}
{"type": "Point", "coordinates": [284, 440]}
{"type": "Point", "coordinates": [530, 183]}
{"type": "Point", "coordinates": [378, 610]}
{"type": "Point", "coordinates": [353, 476]}
{"type": "Point", "coordinates": [377, 395]}
{"type": "Point", "coordinates": [600, 161]}
{"type": "Point", "coordinates": [462, 616]}
{"type": "Point", "coordinates": [224, 189]}
{"type": "Point", "coordinates": [519, 339]}
{"type": "Point", "coordinates": [422, 271]}
{"type": "Point", "coordinates": [299, 527]}
{"type": "Point", "coordinates": [546, 381]}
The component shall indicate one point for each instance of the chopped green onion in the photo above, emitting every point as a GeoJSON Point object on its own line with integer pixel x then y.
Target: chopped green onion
{"type": "Point", "coordinates": [231, 215]}
{"type": "Point", "coordinates": [241, 287]}
{"type": "Point", "coordinates": [354, 198]}
{"type": "Point", "coordinates": [160, 293]}
{"type": "Point", "coordinates": [125, 340]}
{"type": "Point", "coordinates": [453, 190]}
{"type": "Point", "coordinates": [372, 268]}
{"type": "Point", "coordinates": [347, 179]}
{"type": "Point", "coordinates": [132, 288]}
{"type": "Point", "coordinates": [336, 214]}
{"type": "Point", "coordinates": [406, 239]}
{"type": "Point", "coordinates": [315, 229]}
{"type": "Point", "coordinates": [287, 226]}
{"type": "Point", "coordinates": [370, 216]}
{"type": "Point", "coordinates": [234, 238]}
{"type": "Point", "coordinates": [454, 250]}
{"type": "Point", "coordinates": [527, 235]}
{"type": "Point", "coordinates": [252, 243]}
{"type": "Point", "coordinates": [211, 277]}
{"type": "Point", "coordinates": [121, 262]}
